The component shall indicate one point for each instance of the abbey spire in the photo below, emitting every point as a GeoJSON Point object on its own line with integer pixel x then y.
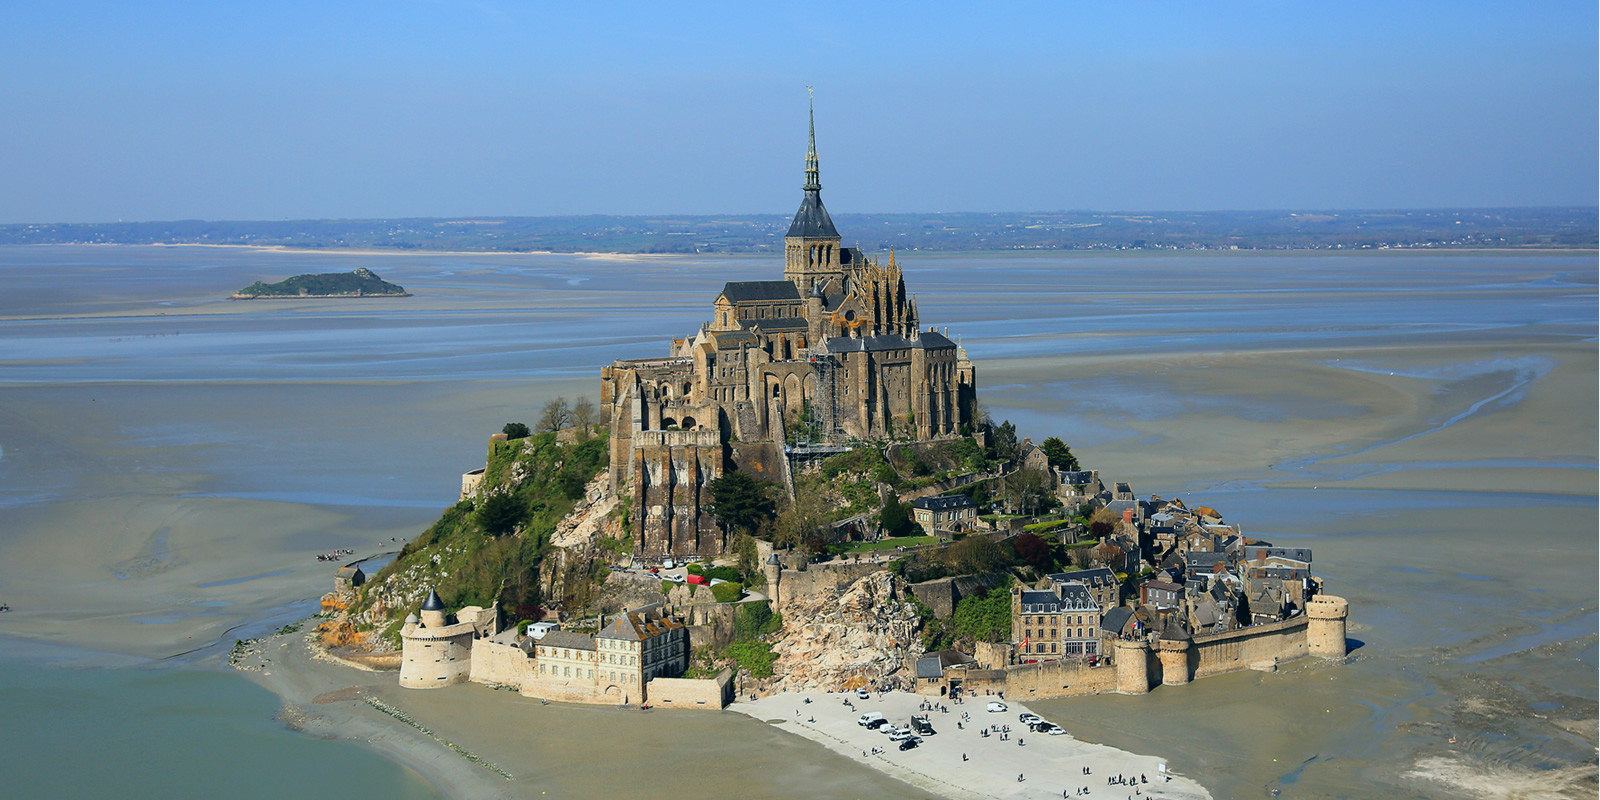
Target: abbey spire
{"type": "Point", "coordinates": [811, 247]}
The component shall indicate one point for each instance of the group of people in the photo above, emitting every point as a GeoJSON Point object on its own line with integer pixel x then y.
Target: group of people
{"type": "Point", "coordinates": [335, 555]}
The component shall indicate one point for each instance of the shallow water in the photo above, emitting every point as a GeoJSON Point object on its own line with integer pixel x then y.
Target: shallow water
{"type": "Point", "coordinates": [171, 462]}
{"type": "Point", "coordinates": [138, 732]}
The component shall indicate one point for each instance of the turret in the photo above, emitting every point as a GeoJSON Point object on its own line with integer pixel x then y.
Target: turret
{"type": "Point", "coordinates": [1325, 628]}
{"type": "Point", "coordinates": [433, 611]}
{"type": "Point", "coordinates": [1173, 650]}
{"type": "Point", "coordinates": [773, 570]}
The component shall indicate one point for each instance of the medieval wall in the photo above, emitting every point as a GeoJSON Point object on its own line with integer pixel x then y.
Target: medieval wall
{"type": "Point", "coordinates": [499, 664]}
{"type": "Point", "coordinates": [1058, 679]}
{"type": "Point", "coordinates": [709, 694]}
{"type": "Point", "coordinates": [820, 578]}
{"type": "Point", "coordinates": [1218, 653]}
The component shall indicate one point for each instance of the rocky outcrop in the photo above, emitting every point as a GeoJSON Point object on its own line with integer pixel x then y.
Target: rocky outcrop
{"type": "Point", "coordinates": [590, 518]}
{"type": "Point", "coordinates": [858, 635]}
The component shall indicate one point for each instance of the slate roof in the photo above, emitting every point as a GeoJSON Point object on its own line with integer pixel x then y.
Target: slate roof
{"type": "Point", "coordinates": [1078, 478]}
{"type": "Point", "coordinates": [747, 291]}
{"type": "Point", "coordinates": [812, 220]}
{"type": "Point", "coordinates": [1076, 596]}
{"type": "Point", "coordinates": [433, 603]}
{"type": "Point", "coordinates": [929, 667]}
{"type": "Point", "coordinates": [729, 340]}
{"type": "Point", "coordinates": [572, 640]}
{"type": "Point", "coordinates": [1045, 602]}
{"type": "Point", "coordinates": [777, 324]}
{"type": "Point", "coordinates": [1116, 619]}
{"type": "Point", "coordinates": [1099, 576]}
{"type": "Point", "coordinates": [888, 341]}
{"type": "Point", "coordinates": [1254, 551]}
{"type": "Point", "coordinates": [943, 502]}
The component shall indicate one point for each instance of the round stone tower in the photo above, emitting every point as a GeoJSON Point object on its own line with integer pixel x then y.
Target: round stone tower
{"type": "Point", "coordinates": [1133, 666]}
{"type": "Point", "coordinates": [434, 653]}
{"type": "Point", "coordinates": [1174, 654]}
{"type": "Point", "coordinates": [1325, 627]}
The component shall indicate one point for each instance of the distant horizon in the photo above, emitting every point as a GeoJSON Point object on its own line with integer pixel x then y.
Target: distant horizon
{"type": "Point", "coordinates": [645, 215]}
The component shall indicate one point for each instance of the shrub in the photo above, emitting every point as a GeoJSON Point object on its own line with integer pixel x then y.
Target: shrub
{"type": "Point", "coordinates": [515, 430]}
{"type": "Point", "coordinates": [727, 592]}
{"type": "Point", "coordinates": [754, 657]}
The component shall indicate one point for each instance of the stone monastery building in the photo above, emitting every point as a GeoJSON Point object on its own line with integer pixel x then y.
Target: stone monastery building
{"type": "Point", "coordinates": [835, 348]}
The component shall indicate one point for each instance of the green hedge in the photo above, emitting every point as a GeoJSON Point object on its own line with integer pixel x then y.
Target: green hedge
{"type": "Point", "coordinates": [727, 592]}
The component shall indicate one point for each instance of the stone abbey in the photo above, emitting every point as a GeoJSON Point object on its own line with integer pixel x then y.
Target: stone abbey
{"type": "Point", "coordinates": [834, 352]}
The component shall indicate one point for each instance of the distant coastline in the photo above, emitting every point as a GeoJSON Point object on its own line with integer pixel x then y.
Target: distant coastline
{"type": "Point", "coordinates": [1528, 228]}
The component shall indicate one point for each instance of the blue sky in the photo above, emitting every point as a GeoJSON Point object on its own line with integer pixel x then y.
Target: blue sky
{"type": "Point", "coordinates": [277, 110]}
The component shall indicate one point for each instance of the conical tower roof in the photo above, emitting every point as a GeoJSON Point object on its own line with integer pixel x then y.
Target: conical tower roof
{"type": "Point", "coordinates": [812, 220]}
{"type": "Point", "coordinates": [433, 603]}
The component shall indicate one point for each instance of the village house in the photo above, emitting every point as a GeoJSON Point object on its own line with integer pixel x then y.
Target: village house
{"type": "Point", "coordinates": [946, 513]}
{"type": "Point", "coordinates": [1101, 582]}
{"type": "Point", "coordinates": [1061, 622]}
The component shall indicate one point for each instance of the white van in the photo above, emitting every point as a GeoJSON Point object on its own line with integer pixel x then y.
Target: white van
{"type": "Point", "coordinates": [867, 718]}
{"type": "Point", "coordinates": [993, 706]}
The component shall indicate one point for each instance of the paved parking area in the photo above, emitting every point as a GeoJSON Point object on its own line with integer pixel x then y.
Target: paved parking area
{"type": "Point", "coordinates": [1047, 765]}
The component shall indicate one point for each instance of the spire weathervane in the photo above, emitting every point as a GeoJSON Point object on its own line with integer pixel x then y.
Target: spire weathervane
{"type": "Point", "coordinates": [813, 180]}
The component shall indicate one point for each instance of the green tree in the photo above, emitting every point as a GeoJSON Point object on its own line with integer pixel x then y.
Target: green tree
{"type": "Point", "coordinates": [895, 518]}
{"type": "Point", "coordinates": [1003, 445]}
{"type": "Point", "coordinates": [515, 430]}
{"type": "Point", "coordinates": [1059, 454]}
{"type": "Point", "coordinates": [499, 514]}
{"type": "Point", "coordinates": [741, 503]}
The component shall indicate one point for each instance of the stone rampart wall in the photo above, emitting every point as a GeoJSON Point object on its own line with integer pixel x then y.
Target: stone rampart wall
{"type": "Point", "coordinates": [501, 664]}
{"type": "Point", "coordinates": [1058, 679]}
{"type": "Point", "coordinates": [568, 690]}
{"type": "Point", "coordinates": [695, 693]}
{"type": "Point", "coordinates": [822, 578]}
{"type": "Point", "coordinates": [1218, 653]}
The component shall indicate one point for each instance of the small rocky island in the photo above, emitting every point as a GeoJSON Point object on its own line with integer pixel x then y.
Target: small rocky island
{"type": "Point", "coordinates": [360, 283]}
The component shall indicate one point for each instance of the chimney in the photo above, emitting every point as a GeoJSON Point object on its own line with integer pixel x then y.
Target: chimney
{"type": "Point", "coordinates": [1127, 516]}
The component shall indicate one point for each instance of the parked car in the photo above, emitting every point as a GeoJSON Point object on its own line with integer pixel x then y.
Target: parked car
{"type": "Point", "coordinates": [1028, 718]}
{"type": "Point", "coordinates": [863, 694]}
{"type": "Point", "coordinates": [907, 744]}
{"type": "Point", "coordinates": [900, 735]}
{"type": "Point", "coordinates": [1054, 730]}
{"type": "Point", "coordinates": [871, 719]}
{"type": "Point", "coordinates": [996, 706]}
{"type": "Point", "coordinates": [673, 578]}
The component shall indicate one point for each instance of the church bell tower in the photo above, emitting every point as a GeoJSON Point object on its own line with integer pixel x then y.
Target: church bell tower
{"type": "Point", "coordinates": [811, 247]}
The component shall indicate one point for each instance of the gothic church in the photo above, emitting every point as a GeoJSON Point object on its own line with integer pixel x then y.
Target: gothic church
{"type": "Point", "coordinates": [831, 354]}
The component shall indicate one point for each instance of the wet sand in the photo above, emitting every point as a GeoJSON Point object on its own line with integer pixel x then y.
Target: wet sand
{"type": "Point", "coordinates": [556, 750]}
{"type": "Point", "coordinates": [170, 464]}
